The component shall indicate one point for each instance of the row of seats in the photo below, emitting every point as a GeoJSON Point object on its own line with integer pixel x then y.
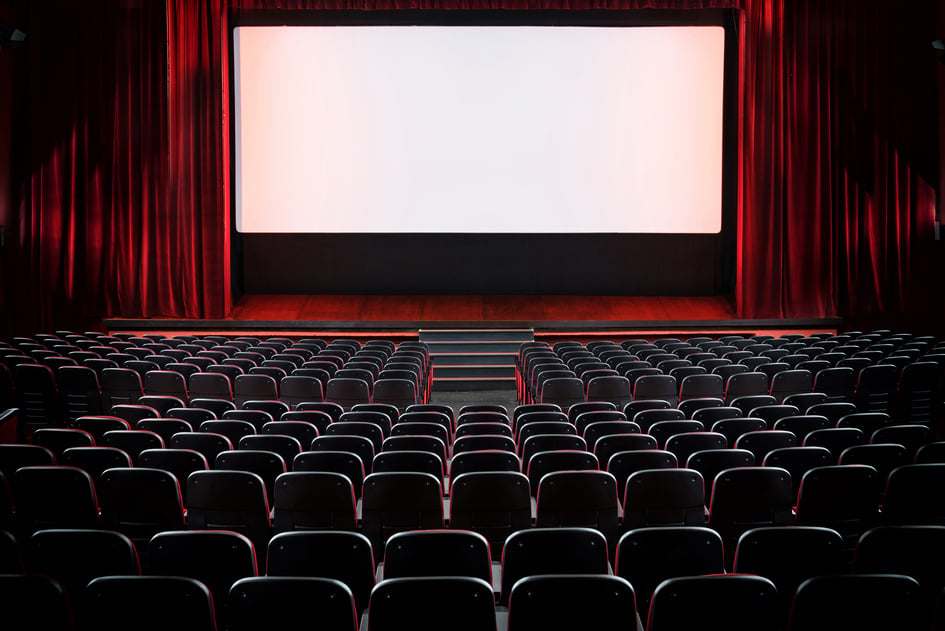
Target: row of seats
{"type": "Point", "coordinates": [139, 501]}
{"type": "Point", "coordinates": [51, 383]}
{"type": "Point", "coordinates": [898, 374]}
{"type": "Point", "coordinates": [556, 578]}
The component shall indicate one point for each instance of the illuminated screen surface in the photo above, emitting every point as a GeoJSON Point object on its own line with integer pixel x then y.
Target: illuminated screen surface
{"type": "Point", "coordinates": [478, 129]}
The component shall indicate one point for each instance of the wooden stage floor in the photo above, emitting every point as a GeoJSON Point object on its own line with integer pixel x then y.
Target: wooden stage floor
{"type": "Point", "coordinates": [482, 308]}
{"type": "Point", "coordinates": [404, 315]}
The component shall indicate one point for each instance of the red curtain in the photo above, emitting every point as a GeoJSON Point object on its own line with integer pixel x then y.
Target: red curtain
{"type": "Point", "coordinates": [122, 157]}
{"type": "Point", "coordinates": [122, 204]}
{"type": "Point", "coordinates": [837, 158]}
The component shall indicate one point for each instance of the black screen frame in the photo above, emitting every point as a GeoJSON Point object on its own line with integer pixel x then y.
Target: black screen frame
{"type": "Point", "coordinates": [477, 263]}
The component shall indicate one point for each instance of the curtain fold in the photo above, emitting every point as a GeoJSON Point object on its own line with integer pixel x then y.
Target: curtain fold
{"type": "Point", "coordinates": [198, 154]}
{"type": "Point", "coordinates": [122, 154]}
{"type": "Point", "coordinates": [836, 167]}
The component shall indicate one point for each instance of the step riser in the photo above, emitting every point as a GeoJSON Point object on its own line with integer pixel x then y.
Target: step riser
{"type": "Point", "coordinates": [473, 384]}
{"type": "Point", "coordinates": [473, 347]}
{"type": "Point", "coordinates": [502, 335]}
{"type": "Point", "coordinates": [474, 372]}
{"type": "Point", "coordinates": [457, 359]}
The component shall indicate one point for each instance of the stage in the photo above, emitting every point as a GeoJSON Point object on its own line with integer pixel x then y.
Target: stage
{"type": "Point", "coordinates": [402, 316]}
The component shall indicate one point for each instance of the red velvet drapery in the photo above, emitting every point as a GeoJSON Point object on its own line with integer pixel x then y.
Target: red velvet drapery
{"type": "Point", "coordinates": [121, 154]}
{"type": "Point", "coordinates": [837, 158]}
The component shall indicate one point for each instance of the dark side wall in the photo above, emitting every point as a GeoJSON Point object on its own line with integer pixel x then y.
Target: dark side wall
{"type": "Point", "coordinates": [8, 15]}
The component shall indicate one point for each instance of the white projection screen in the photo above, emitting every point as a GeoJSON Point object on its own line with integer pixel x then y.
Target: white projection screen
{"type": "Point", "coordinates": [478, 129]}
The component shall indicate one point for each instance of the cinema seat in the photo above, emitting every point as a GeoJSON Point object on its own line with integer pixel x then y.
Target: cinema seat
{"type": "Point", "coordinates": [31, 601]}
{"type": "Point", "coordinates": [571, 601]}
{"type": "Point", "coordinates": [53, 497]}
{"type": "Point", "coordinates": [749, 497]}
{"type": "Point", "coordinates": [140, 503]}
{"type": "Point", "coordinates": [910, 436]}
{"type": "Point", "coordinates": [763, 442]}
{"type": "Point", "coordinates": [802, 425]}
{"type": "Point", "coordinates": [773, 413]}
{"type": "Point", "coordinates": [342, 462]}
{"type": "Point", "coordinates": [396, 502]}
{"type": "Point", "coordinates": [295, 389]}
{"type": "Point", "coordinates": [563, 391]}
{"type": "Point", "coordinates": [845, 601]}
{"type": "Point", "coordinates": [914, 551]}
{"type": "Point", "coordinates": [543, 551]}
{"type": "Point", "coordinates": [320, 420]}
{"type": "Point", "coordinates": [132, 441]}
{"type": "Point", "coordinates": [400, 393]}
{"type": "Point", "coordinates": [120, 385]}
{"type": "Point", "coordinates": [347, 392]}
{"type": "Point", "coordinates": [546, 462]}
{"type": "Point", "coordinates": [286, 447]}
{"type": "Point", "coordinates": [37, 397]}
{"type": "Point", "coordinates": [478, 443]}
{"type": "Point", "coordinates": [835, 439]}
{"type": "Point", "coordinates": [218, 407]}
{"type": "Point", "coordinates": [280, 602]}
{"type": "Point", "coordinates": [748, 403]}
{"type": "Point", "coordinates": [268, 465]}
{"type": "Point", "coordinates": [646, 418]}
{"type": "Point", "coordinates": [273, 408]}
{"type": "Point", "coordinates": [578, 498]}
{"type": "Point", "coordinates": [663, 497]}
{"type": "Point", "coordinates": [95, 460]}
{"type": "Point", "coordinates": [73, 557]}
{"type": "Point", "coordinates": [57, 440]}
{"type": "Point", "coordinates": [80, 392]}
{"type": "Point", "coordinates": [254, 388]}
{"type": "Point", "coordinates": [648, 556]}
{"type": "Point", "coordinates": [737, 602]}
{"type": "Point", "coordinates": [210, 385]}
{"type": "Point", "coordinates": [582, 416]}
{"type": "Point", "coordinates": [912, 496]}
{"type": "Point", "coordinates": [625, 463]}
{"type": "Point", "coordinates": [204, 442]}
{"type": "Point", "coordinates": [179, 462]}
{"type": "Point", "coordinates": [789, 556]}
{"type": "Point", "coordinates": [193, 415]}
{"type": "Point", "coordinates": [711, 415]}
{"type": "Point", "coordinates": [233, 429]}
{"type": "Point", "coordinates": [313, 500]}
{"type": "Point", "coordinates": [358, 445]}
{"type": "Point", "coordinates": [483, 429]}
{"type": "Point", "coordinates": [343, 556]}
{"type": "Point", "coordinates": [551, 442]}
{"type": "Point", "coordinates": [216, 558]}
{"type": "Point", "coordinates": [437, 553]}
{"type": "Point", "coordinates": [406, 461]}
{"type": "Point", "coordinates": [833, 410]}
{"type": "Point", "coordinates": [230, 500]}
{"type": "Point", "coordinates": [663, 430]}
{"type": "Point", "coordinates": [686, 444]}
{"type": "Point", "coordinates": [733, 428]}
{"type": "Point", "coordinates": [458, 603]}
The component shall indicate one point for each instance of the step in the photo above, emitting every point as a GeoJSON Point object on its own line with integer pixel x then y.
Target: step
{"type": "Point", "coordinates": [473, 372]}
{"type": "Point", "coordinates": [478, 359]}
{"type": "Point", "coordinates": [460, 384]}
{"type": "Point", "coordinates": [499, 335]}
{"type": "Point", "coordinates": [477, 346]}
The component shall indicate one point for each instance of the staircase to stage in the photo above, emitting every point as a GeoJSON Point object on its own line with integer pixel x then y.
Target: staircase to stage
{"type": "Point", "coordinates": [474, 359]}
